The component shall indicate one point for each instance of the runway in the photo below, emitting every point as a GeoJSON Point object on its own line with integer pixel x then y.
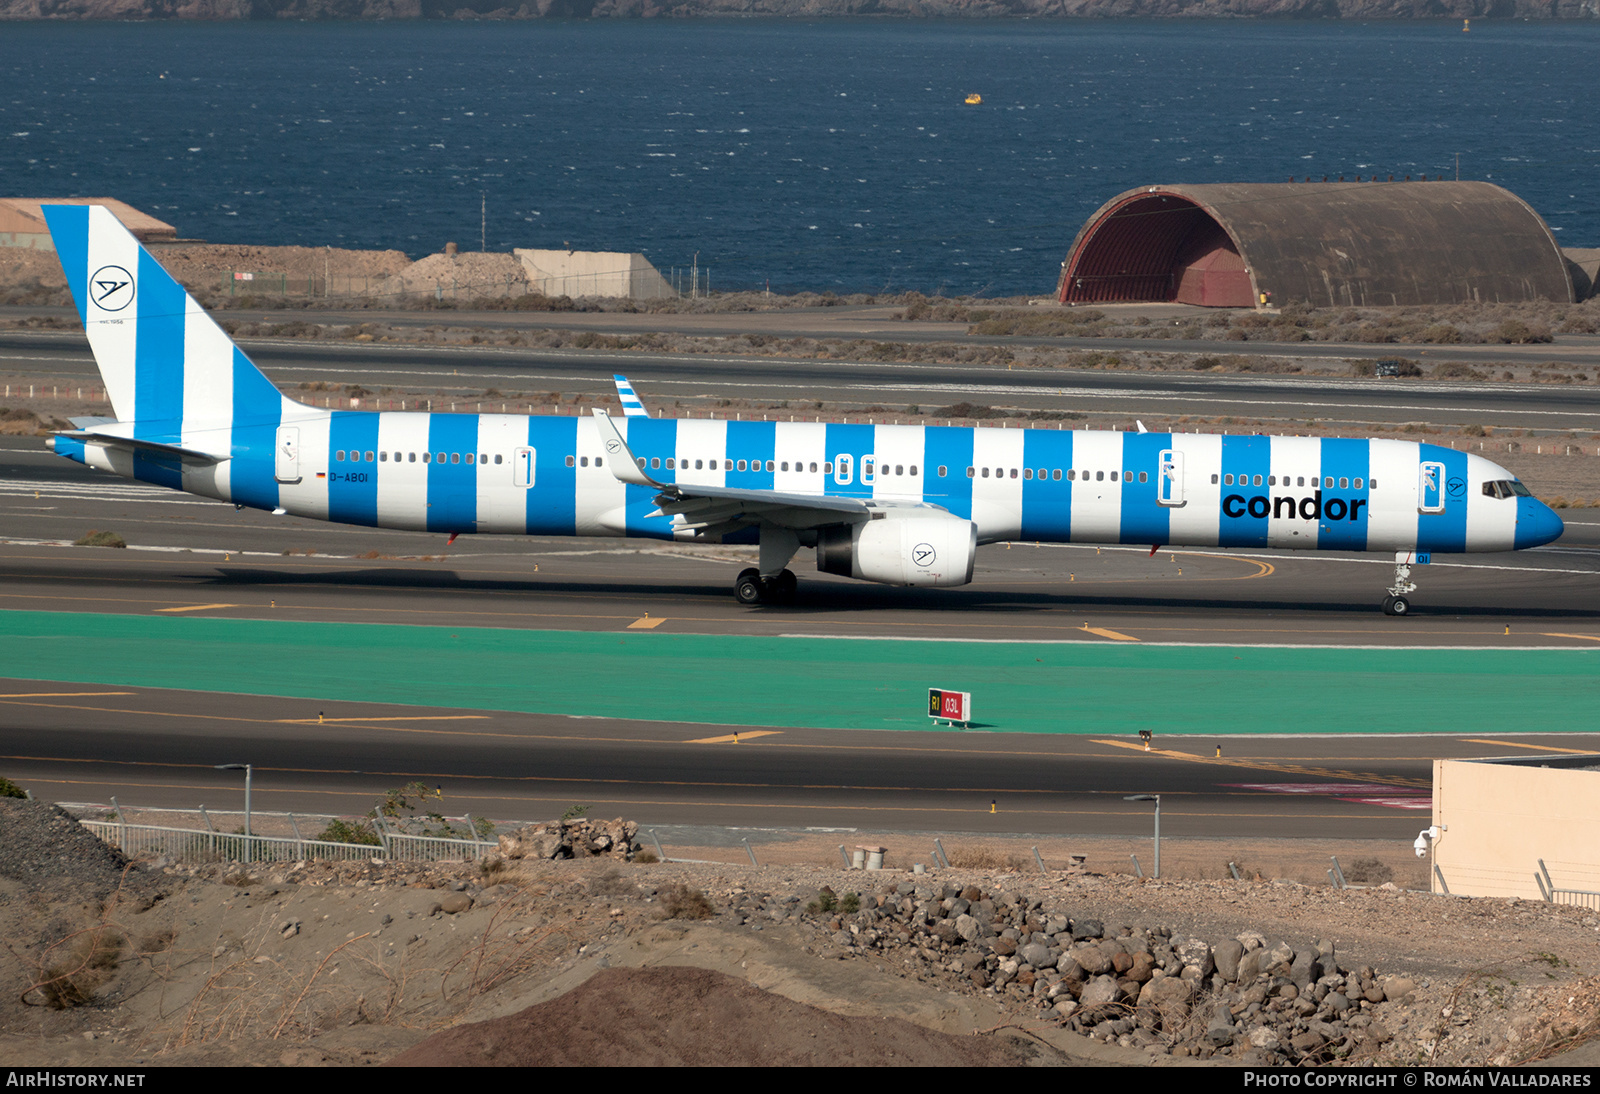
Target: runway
{"type": "Point", "coordinates": [466, 372]}
{"type": "Point", "coordinates": [71, 737]}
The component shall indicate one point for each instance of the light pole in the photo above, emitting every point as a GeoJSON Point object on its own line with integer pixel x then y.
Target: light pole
{"type": "Point", "coordinates": [1157, 799]}
{"type": "Point", "coordinates": [248, 771]}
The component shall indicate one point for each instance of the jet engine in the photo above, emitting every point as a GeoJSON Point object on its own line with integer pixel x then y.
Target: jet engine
{"type": "Point", "coordinates": [911, 548]}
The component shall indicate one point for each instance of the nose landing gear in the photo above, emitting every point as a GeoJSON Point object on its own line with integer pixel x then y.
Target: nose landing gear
{"type": "Point", "coordinates": [1398, 602]}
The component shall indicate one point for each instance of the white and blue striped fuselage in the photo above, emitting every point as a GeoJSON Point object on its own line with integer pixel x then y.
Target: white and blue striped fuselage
{"type": "Point", "coordinates": [491, 473]}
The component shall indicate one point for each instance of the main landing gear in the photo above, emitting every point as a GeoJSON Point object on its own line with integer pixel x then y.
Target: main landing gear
{"type": "Point", "coordinates": [751, 588]}
{"type": "Point", "coordinates": [1396, 603]}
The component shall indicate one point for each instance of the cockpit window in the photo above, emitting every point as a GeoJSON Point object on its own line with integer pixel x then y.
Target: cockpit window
{"type": "Point", "coordinates": [1506, 488]}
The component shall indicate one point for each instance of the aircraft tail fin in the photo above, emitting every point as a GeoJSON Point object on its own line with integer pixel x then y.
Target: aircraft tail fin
{"type": "Point", "coordinates": [169, 370]}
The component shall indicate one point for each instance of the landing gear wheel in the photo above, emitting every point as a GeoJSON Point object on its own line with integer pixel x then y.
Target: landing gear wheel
{"type": "Point", "coordinates": [749, 589]}
{"type": "Point", "coordinates": [1396, 605]}
{"type": "Point", "coordinates": [784, 588]}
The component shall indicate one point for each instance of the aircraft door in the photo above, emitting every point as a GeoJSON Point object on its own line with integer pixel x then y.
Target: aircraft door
{"type": "Point", "coordinates": [1430, 488]}
{"type": "Point", "coordinates": [1169, 479]}
{"type": "Point", "coordinates": [286, 455]}
{"type": "Point", "coordinates": [522, 464]}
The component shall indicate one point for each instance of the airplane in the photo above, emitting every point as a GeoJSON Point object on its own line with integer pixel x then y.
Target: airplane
{"type": "Point", "coordinates": [894, 504]}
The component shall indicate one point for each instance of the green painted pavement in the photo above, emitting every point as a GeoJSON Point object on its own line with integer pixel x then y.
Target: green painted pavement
{"type": "Point", "coordinates": [862, 684]}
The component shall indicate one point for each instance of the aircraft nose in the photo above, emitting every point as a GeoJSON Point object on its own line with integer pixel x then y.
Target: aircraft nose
{"type": "Point", "coordinates": [1537, 523]}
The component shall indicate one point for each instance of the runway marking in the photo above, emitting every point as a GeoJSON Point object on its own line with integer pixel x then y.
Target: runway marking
{"type": "Point", "coordinates": [1269, 765]}
{"type": "Point", "coordinates": [198, 608]}
{"type": "Point", "coordinates": [1370, 794]}
{"type": "Point", "coordinates": [646, 623]}
{"type": "Point", "coordinates": [1516, 744]}
{"type": "Point", "coordinates": [416, 718]}
{"type": "Point", "coordinates": [1585, 637]}
{"type": "Point", "coordinates": [60, 694]}
{"type": "Point", "coordinates": [1266, 568]}
{"type": "Point", "coordinates": [1117, 635]}
{"type": "Point", "coordinates": [735, 737]}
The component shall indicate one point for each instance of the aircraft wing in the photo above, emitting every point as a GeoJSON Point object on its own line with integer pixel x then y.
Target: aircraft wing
{"type": "Point", "coordinates": [711, 508]}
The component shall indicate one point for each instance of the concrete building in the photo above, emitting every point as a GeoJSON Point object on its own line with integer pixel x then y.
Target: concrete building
{"type": "Point", "coordinates": [22, 224]}
{"type": "Point", "coordinates": [593, 273]}
{"type": "Point", "coordinates": [1326, 243]}
{"type": "Point", "coordinates": [1498, 821]}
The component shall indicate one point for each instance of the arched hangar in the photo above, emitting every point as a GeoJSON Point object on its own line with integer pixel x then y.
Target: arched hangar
{"type": "Point", "coordinates": [1326, 243]}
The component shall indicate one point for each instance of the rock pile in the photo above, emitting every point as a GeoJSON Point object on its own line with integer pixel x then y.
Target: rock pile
{"type": "Point", "coordinates": [1149, 988]}
{"type": "Point", "coordinates": [573, 838]}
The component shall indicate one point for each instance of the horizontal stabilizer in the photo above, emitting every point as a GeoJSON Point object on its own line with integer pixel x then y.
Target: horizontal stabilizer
{"type": "Point", "coordinates": [631, 406]}
{"type": "Point", "coordinates": [113, 434]}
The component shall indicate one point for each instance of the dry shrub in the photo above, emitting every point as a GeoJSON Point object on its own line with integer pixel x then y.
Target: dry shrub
{"type": "Point", "coordinates": [1368, 871]}
{"type": "Point", "coordinates": [985, 857]}
{"type": "Point", "coordinates": [77, 967]}
{"type": "Point", "coordinates": [98, 538]}
{"type": "Point", "coordinates": [680, 901]}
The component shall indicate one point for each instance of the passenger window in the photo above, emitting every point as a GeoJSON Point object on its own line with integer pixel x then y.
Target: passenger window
{"type": "Point", "coordinates": [497, 457]}
{"type": "Point", "coordinates": [1344, 484]}
{"type": "Point", "coordinates": [339, 455]}
{"type": "Point", "coordinates": [1372, 484]}
{"type": "Point", "coordinates": [1056, 474]}
{"type": "Point", "coordinates": [827, 467]}
{"type": "Point", "coordinates": [1144, 476]}
{"type": "Point", "coordinates": [369, 457]}
{"type": "Point", "coordinates": [942, 469]}
{"type": "Point", "coordinates": [1027, 472]}
{"type": "Point", "coordinates": [785, 466]}
{"type": "Point", "coordinates": [427, 457]}
{"type": "Point", "coordinates": [1072, 475]}
{"type": "Point", "coordinates": [1099, 476]}
{"type": "Point", "coordinates": [455, 457]}
{"type": "Point", "coordinates": [671, 463]}
{"type": "Point", "coordinates": [985, 472]}
{"type": "Point", "coordinates": [571, 461]}
{"type": "Point", "coordinates": [1213, 480]}
{"type": "Point", "coordinates": [383, 457]}
{"type": "Point", "coordinates": [742, 465]}
{"type": "Point", "coordinates": [1013, 472]}
{"type": "Point", "coordinates": [1113, 476]}
{"type": "Point", "coordinates": [1258, 480]}
{"type": "Point", "coordinates": [598, 461]}
{"type": "Point", "coordinates": [972, 471]}
{"type": "Point", "coordinates": [913, 470]}
{"type": "Point", "coordinates": [583, 461]}
{"type": "Point", "coordinates": [770, 465]}
{"type": "Point", "coordinates": [813, 467]}
{"type": "Point", "coordinates": [411, 458]}
{"type": "Point", "coordinates": [1358, 484]}
{"type": "Point", "coordinates": [655, 462]}
{"type": "Point", "coordinates": [698, 464]}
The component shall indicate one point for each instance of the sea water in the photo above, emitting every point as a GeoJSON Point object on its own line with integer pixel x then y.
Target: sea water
{"type": "Point", "coordinates": [831, 155]}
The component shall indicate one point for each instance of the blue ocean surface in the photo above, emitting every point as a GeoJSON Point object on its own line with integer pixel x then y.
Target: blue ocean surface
{"type": "Point", "coordinates": [834, 155]}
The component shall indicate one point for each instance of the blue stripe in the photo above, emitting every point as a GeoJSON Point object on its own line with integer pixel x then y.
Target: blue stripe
{"type": "Point", "coordinates": [158, 365]}
{"type": "Point", "coordinates": [69, 230]}
{"type": "Point", "coordinates": [949, 447]}
{"type": "Point", "coordinates": [1344, 459]}
{"type": "Point", "coordinates": [1446, 531]}
{"type": "Point", "coordinates": [552, 500]}
{"type": "Point", "coordinates": [755, 443]}
{"type": "Point", "coordinates": [1143, 520]}
{"type": "Point", "coordinates": [854, 441]}
{"type": "Point", "coordinates": [1046, 501]}
{"type": "Point", "coordinates": [353, 483]}
{"type": "Point", "coordinates": [656, 441]}
{"type": "Point", "coordinates": [452, 487]}
{"type": "Point", "coordinates": [69, 447]}
{"type": "Point", "coordinates": [1248, 456]}
{"type": "Point", "coordinates": [257, 413]}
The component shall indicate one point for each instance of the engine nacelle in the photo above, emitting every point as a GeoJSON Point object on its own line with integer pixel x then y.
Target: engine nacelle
{"type": "Point", "coordinates": [917, 548]}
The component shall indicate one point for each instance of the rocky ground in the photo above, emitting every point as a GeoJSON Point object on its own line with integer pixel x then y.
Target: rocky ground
{"type": "Point", "coordinates": [599, 959]}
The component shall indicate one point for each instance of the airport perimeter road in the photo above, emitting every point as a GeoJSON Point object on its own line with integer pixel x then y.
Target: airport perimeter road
{"type": "Point", "coordinates": [148, 747]}
{"type": "Point", "coordinates": [663, 379]}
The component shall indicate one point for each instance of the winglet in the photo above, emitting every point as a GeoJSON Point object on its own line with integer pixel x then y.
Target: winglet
{"type": "Point", "coordinates": [623, 465]}
{"type": "Point", "coordinates": [631, 406]}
